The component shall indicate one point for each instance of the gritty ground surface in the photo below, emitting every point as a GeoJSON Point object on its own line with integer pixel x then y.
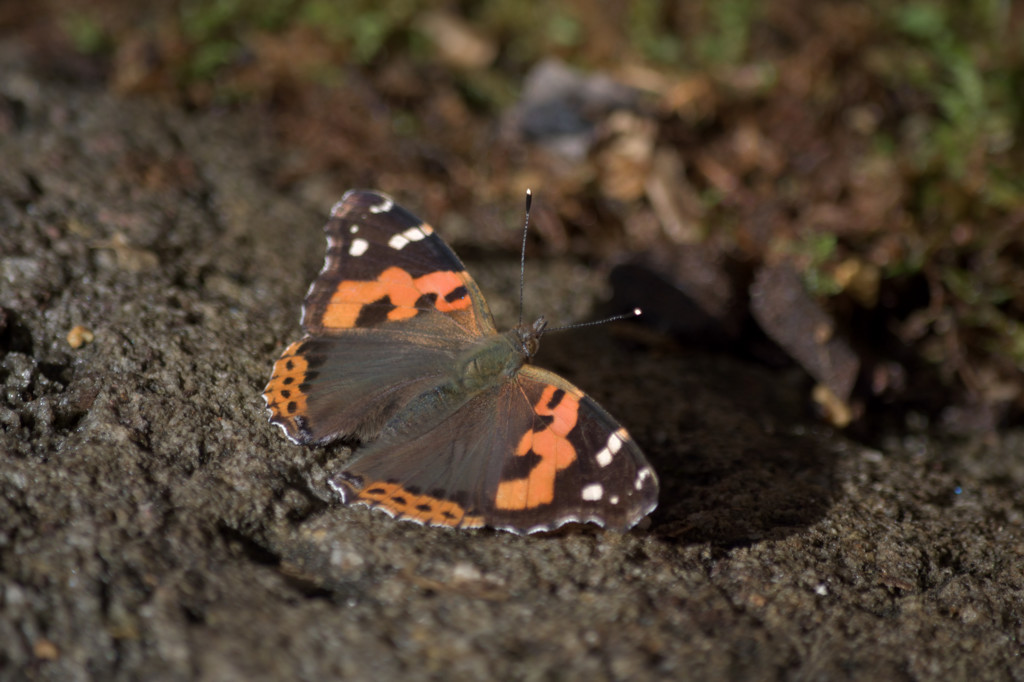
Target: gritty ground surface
{"type": "Point", "coordinates": [153, 525]}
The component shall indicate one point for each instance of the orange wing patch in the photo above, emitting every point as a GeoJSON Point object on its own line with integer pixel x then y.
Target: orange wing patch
{"type": "Point", "coordinates": [284, 399]}
{"type": "Point", "coordinates": [402, 290]}
{"type": "Point", "coordinates": [432, 511]}
{"type": "Point", "coordinates": [551, 444]}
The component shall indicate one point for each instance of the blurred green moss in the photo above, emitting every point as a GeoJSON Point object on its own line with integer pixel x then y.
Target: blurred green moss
{"type": "Point", "coordinates": [86, 32]}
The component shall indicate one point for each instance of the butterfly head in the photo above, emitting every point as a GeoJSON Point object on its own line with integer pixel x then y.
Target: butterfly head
{"type": "Point", "coordinates": [528, 337]}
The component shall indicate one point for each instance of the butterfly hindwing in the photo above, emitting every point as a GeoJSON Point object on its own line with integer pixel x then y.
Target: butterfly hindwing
{"type": "Point", "coordinates": [529, 455]}
{"type": "Point", "coordinates": [573, 462]}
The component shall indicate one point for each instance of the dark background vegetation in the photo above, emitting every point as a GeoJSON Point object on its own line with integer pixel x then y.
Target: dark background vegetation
{"type": "Point", "coordinates": [870, 148]}
{"type": "Point", "coordinates": [817, 204]}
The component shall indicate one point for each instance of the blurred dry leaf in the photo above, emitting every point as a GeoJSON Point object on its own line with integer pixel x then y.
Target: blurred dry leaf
{"type": "Point", "coordinates": [673, 198]}
{"type": "Point", "coordinates": [458, 43]}
{"type": "Point", "coordinates": [798, 323]}
{"type": "Point", "coordinates": [859, 279]}
{"type": "Point", "coordinates": [45, 650]}
{"type": "Point", "coordinates": [624, 159]}
{"type": "Point", "coordinates": [282, 59]}
{"type": "Point", "coordinates": [141, 64]}
{"type": "Point", "coordinates": [753, 151]}
{"type": "Point", "coordinates": [691, 98]}
{"type": "Point", "coordinates": [836, 411]}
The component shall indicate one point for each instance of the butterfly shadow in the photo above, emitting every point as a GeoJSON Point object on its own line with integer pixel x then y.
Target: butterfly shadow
{"type": "Point", "coordinates": [738, 457]}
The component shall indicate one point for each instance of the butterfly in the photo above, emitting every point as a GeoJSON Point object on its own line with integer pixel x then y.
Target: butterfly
{"type": "Point", "coordinates": [452, 425]}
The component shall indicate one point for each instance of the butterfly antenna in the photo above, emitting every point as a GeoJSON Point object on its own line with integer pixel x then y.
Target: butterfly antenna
{"type": "Point", "coordinates": [522, 255]}
{"type": "Point", "coordinates": [614, 318]}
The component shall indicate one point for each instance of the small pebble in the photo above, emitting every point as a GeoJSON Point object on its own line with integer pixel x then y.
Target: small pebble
{"type": "Point", "coordinates": [79, 336]}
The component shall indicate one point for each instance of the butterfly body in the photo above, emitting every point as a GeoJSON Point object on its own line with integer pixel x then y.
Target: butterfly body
{"type": "Point", "coordinates": [455, 427]}
{"type": "Point", "coordinates": [482, 366]}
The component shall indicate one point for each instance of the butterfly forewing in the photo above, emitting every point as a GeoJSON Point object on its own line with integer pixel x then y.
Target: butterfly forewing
{"type": "Point", "coordinates": [391, 306]}
{"type": "Point", "coordinates": [386, 268]}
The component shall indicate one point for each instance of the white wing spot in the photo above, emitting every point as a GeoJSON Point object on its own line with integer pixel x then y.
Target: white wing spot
{"type": "Point", "coordinates": [353, 229]}
{"type": "Point", "coordinates": [384, 206]}
{"type": "Point", "coordinates": [642, 476]}
{"type": "Point", "coordinates": [614, 499]}
{"type": "Point", "coordinates": [400, 241]}
{"type": "Point", "coordinates": [605, 456]}
{"type": "Point", "coordinates": [593, 492]}
{"type": "Point", "coordinates": [414, 234]}
{"type": "Point", "coordinates": [358, 247]}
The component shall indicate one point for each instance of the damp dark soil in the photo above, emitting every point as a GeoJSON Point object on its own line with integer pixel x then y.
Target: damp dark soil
{"type": "Point", "coordinates": [153, 525]}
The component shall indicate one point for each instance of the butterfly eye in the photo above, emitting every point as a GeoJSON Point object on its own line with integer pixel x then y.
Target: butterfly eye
{"type": "Point", "coordinates": [531, 345]}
